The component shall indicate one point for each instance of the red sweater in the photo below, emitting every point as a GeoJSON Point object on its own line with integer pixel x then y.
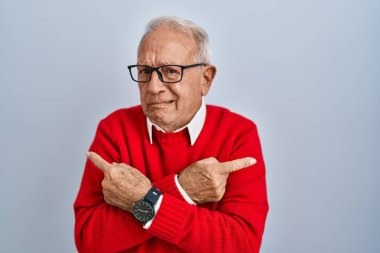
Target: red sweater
{"type": "Point", "coordinates": [235, 224]}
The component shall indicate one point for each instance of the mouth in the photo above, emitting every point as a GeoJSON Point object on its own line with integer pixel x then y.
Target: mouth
{"type": "Point", "coordinates": [161, 103]}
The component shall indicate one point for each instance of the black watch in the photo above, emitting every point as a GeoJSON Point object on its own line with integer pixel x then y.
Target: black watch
{"type": "Point", "coordinates": [143, 210]}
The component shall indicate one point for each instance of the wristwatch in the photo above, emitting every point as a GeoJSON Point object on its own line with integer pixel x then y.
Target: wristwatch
{"type": "Point", "coordinates": [143, 210]}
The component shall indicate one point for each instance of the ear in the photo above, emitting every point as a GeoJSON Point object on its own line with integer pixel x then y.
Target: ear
{"type": "Point", "coordinates": [208, 74]}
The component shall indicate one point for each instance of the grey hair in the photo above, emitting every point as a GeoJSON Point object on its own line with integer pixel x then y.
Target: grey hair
{"type": "Point", "coordinates": [202, 54]}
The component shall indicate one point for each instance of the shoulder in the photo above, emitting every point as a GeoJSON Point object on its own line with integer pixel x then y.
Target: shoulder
{"type": "Point", "coordinates": [132, 117]}
{"type": "Point", "coordinates": [224, 116]}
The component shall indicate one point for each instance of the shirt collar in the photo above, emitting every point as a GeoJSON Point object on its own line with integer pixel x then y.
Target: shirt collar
{"type": "Point", "coordinates": [194, 126]}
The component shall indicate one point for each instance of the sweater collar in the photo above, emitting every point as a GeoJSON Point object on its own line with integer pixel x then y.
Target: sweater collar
{"type": "Point", "coordinates": [194, 126]}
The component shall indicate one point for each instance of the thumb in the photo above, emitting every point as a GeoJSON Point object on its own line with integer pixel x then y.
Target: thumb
{"type": "Point", "coordinates": [209, 160]}
{"type": "Point", "coordinates": [238, 164]}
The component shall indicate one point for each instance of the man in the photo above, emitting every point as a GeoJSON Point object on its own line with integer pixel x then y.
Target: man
{"type": "Point", "coordinates": [172, 175]}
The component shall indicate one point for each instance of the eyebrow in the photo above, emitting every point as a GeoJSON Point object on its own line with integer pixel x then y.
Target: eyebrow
{"type": "Point", "coordinates": [161, 63]}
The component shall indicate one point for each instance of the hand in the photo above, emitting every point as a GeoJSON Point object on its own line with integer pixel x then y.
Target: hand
{"type": "Point", "coordinates": [122, 184]}
{"type": "Point", "coordinates": [205, 180]}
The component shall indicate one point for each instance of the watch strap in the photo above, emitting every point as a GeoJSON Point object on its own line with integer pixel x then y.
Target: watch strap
{"type": "Point", "coordinates": [152, 196]}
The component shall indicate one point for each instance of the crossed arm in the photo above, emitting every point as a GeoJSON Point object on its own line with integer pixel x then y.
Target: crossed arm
{"type": "Point", "coordinates": [204, 181]}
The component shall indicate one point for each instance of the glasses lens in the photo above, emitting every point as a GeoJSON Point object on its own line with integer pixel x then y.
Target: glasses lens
{"type": "Point", "coordinates": [171, 73]}
{"type": "Point", "coordinates": [167, 73]}
{"type": "Point", "coordinates": [141, 73]}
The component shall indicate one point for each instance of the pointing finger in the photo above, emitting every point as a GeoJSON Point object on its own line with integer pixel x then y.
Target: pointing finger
{"type": "Point", "coordinates": [238, 164]}
{"type": "Point", "coordinates": [99, 161]}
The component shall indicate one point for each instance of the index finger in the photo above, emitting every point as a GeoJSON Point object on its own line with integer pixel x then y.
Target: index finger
{"type": "Point", "coordinates": [238, 164]}
{"type": "Point", "coordinates": [98, 161]}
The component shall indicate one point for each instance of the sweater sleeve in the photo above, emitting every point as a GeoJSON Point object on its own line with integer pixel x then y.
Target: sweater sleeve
{"type": "Point", "coordinates": [169, 184]}
{"type": "Point", "coordinates": [100, 227]}
{"type": "Point", "coordinates": [238, 222]}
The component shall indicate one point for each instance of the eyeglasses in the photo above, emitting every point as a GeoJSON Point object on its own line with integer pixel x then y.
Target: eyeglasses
{"type": "Point", "coordinates": [166, 73]}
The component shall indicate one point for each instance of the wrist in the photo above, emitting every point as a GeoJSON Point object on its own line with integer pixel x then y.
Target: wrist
{"type": "Point", "coordinates": [183, 192]}
{"type": "Point", "coordinates": [144, 209]}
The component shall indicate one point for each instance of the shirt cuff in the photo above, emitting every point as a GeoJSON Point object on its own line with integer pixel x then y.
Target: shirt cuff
{"type": "Point", "coordinates": [182, 191]}
{"type": "Point", "coordinates": [156, 207]}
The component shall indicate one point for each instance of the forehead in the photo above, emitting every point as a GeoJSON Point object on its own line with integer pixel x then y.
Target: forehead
{"type": "Point", "coordinates": [166, 46]}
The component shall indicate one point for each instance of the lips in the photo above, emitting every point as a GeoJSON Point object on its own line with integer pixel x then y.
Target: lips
{"type": "Point", "coordinates": [161, 104]}
{"type": "Point", "coordinates": [167, 102]}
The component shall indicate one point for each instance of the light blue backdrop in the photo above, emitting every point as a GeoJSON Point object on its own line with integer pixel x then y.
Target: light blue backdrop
{"type": "Point", "coordinates": [307, 72]}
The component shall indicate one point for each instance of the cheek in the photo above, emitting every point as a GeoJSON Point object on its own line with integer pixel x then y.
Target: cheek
{"type": "Point", "coordinates": [142, 95]}
{"type": "Point", "coordinates": [190, 97]}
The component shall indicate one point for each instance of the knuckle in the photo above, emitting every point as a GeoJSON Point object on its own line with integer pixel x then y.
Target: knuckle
{"type": "Point", "coordinates": [123, 165]}
{"type": "Point", "coordinates": [203, 161]}
{"type": "Point", "coordinates": [231, 166]}
{"type": "Point", "coordinates": [213, 159]}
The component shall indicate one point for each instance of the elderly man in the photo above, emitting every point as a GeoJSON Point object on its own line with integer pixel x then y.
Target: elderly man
{"type": "Point", "coordinates": [174, 174]}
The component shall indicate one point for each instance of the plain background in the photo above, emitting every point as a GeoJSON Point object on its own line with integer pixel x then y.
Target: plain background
{"type": "Point", "coordinates": [307, 72]}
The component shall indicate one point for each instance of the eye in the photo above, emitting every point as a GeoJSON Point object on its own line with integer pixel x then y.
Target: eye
{"type": "Point", "coordinates": [145, 71]}
{"type": "Point", "coordinates": [171, 70]}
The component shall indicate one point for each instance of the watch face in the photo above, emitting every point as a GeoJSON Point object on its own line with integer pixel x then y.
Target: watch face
{"type": "Point", "coordinates": [143, 211]}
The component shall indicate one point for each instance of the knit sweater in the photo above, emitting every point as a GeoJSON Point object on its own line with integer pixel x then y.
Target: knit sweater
{"type": "Point", "coordinates": [234, 224]}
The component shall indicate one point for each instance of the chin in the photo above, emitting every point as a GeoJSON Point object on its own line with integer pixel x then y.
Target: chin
{"type": "Point", "coordinates": [167, 123]}
{"type": "Point", "coordinates": [160, 118]}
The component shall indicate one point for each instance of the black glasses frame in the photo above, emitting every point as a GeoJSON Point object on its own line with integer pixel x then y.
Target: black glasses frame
{"type": "Point", "coordinates": [159, 74]}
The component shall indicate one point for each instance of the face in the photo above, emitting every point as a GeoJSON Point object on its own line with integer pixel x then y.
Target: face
{"type": "Point", "coordinates": [172, 105]}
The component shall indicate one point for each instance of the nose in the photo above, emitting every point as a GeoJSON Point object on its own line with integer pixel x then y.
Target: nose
{"type": "Point", "coordinates": [155, 85]}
